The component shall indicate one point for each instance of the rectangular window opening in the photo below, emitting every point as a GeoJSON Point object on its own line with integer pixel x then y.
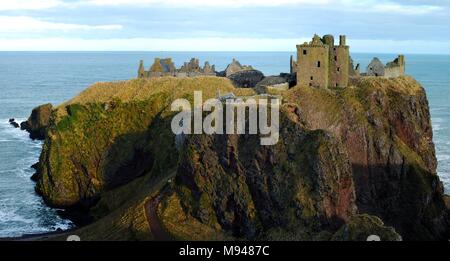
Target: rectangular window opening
{"type": "Point", "coordinates": [318, 64]}
{"type": "Point", "coordinates": [304, 52]}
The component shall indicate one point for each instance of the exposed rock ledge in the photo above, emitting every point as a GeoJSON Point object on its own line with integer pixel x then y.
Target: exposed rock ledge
{"type": "Point", "coordinates": [38, 122]}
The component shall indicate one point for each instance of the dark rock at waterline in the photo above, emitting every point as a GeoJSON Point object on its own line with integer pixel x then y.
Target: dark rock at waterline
{"type": "Point", "coordinates": [14, 123]}
{"type": "Point", "coordinates": [246, 78]}
{"type": "Point", "coordinates": [35, 166]}
{"type": "Point", "coordinates": [38, 121]}
{"type": "Point", "coordinates": [78, 214]}
{"type": "Point", "coordinates": [35, 177]}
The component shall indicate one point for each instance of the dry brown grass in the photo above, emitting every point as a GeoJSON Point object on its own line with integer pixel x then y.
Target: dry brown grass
{"type": "Point", "coordinates": [141, 89]}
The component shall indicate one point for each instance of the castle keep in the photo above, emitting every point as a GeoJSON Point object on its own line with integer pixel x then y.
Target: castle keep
{"type": "Point", "coordinates": [321, 63]}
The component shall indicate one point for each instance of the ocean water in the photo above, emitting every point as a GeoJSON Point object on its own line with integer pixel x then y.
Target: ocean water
{"type": "Point", "coordinates": [28, 79]}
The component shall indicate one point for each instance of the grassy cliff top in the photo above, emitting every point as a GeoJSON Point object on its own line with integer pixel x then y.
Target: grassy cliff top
{"type": "Point", "coordinates": [406, 85]}
{"type": "Point", "coordinates": [141, 89]}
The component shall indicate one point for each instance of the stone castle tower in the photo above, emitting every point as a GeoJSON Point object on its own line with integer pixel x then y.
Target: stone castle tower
{"type": "Point", "coordinates": [322, 64]}
{"type": "Point", "coordinates": [141, 71]}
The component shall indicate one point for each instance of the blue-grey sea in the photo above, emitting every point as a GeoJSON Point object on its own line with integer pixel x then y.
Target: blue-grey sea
{"type": "Point", "coordinates": [28, 79]}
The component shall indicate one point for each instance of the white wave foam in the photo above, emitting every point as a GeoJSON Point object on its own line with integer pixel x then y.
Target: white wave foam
{"type": "Point", "coordinates": [437, 120]}
{"type": "Point", "coordinates": [16, 119]}
{"type": "Point", "coordinates": [443, 157]}
{"type": "Point", "coordinates": [438, 127]}
{"type": "Point", "coordinates": [7, 215]}
{"type": "Point", "coordinates": [14, 134]}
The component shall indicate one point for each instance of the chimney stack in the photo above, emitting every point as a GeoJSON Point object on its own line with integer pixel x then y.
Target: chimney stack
{"type": "Point", "coordinates": [342, 40]}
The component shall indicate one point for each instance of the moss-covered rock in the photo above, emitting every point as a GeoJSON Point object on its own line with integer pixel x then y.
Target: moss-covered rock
{"type": "Point", "coordinates": [364, 228]}
{"type": "Point", "coordinates": [106, 137]}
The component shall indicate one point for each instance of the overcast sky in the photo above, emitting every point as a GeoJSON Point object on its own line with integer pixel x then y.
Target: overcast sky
{"type": "Point", "coordinates": [392, 26]}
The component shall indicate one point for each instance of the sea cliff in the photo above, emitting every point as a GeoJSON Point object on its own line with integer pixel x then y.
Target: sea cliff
{"type": "Point", "coordinates": [350, 163]}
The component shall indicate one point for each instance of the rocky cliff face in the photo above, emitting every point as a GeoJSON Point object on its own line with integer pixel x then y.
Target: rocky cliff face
{"type": "Point", "coordinates": [350, 163]}
{"type": "Point", "coordinates": [38, 122]}
{"type": "Point", "coordinates": [385, 126]}
{"type": "Point", "coordinates": [232, 182]}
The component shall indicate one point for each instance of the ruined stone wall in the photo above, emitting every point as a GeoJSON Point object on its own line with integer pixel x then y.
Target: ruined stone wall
{"type": "Point", "coordinates": [160, 74]}
{"type": "Point", "coordinates": [339, 66]}
{"type": "Point", "coordinates": [392, 69]}
{"type": "Point", "coordinates": [395, 68]}
{"type": "Point", "coordinates": [376, 68]}
{"type": "Point", "coordinates": [166, 67]}
{"type": "Point", "coordinates": [391, 72]}
{"type": "Point", "coordinates": [312, 65]}
{"type": "Point", "coordinates": [141, 71]}
{"type": "Point", "coordinates": [353, 71]}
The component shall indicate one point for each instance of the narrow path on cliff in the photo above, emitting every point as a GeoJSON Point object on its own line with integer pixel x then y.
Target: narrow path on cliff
{"type": "Point", "coordinates": [156, 227]}
{"type": "Point", "coordinates": [151, 209]}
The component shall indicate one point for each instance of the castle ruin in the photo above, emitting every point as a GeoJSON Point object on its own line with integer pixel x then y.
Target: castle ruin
{"type": "Point", "coordinates": [166, 67]}
{"type": "Point", "coordinates": [235, 67]}
{"type": "Point", "coordinates": [395, 68]}
{"type": "Point", "coordinates": [322, 64]}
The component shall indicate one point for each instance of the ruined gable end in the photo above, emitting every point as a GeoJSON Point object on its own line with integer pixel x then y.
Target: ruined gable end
{"type": "Point", "coordinates": [375, 68]}
{"type": "Point", "coordinates": [141, 71]}
{"type": "Point", "coordinates": [395, 68]}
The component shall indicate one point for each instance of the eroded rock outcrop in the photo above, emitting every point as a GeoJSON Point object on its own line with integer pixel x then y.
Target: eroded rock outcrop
{"type": "Point", "coordinates": [13, 123]}
{"type": "Point", "coordinates": [38, 122]}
